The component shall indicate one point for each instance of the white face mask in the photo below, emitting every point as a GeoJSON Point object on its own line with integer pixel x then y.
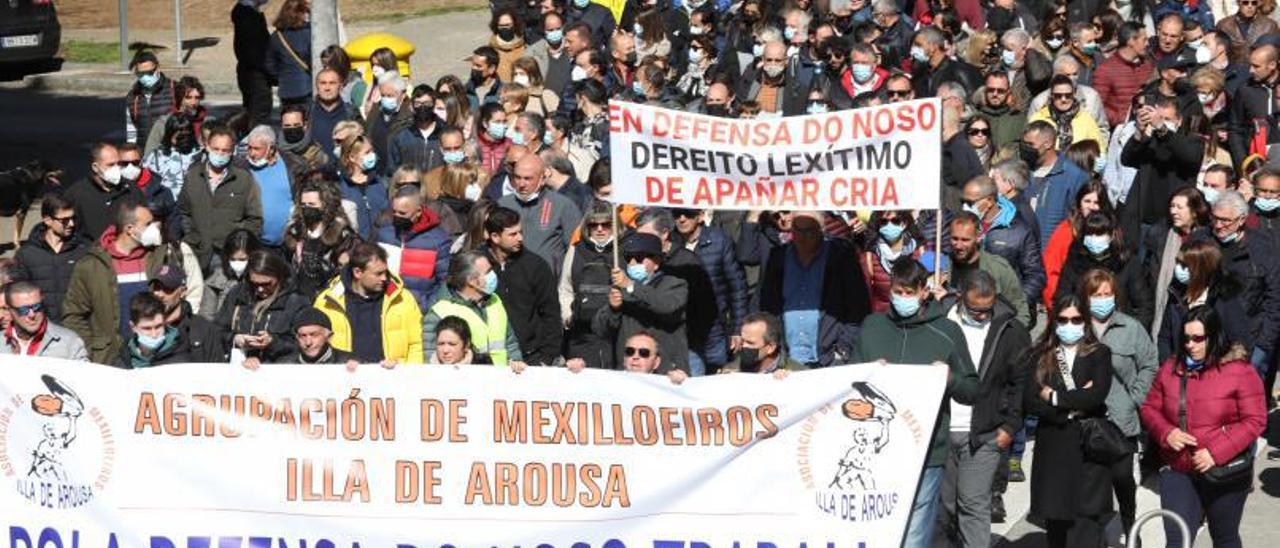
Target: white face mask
{"type": "Point", "coordinates": [238, 267]}
{"type": "Point", "coordinates": [473, 192]}
{"type": "Point", "coordinates": [578, 74]}
{"type": "Point", "coordinates": [111, 176]}
{"type": "Point", "coordinates": [522, 79]}
{"type": "Point", "coordinates": [130, 172]}
{"type": "Point", "coordinates": [150, 236]}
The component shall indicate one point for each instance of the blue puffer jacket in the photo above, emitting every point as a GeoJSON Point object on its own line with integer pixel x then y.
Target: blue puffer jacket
{"type": "Point", "coordinates": [424, 255]}
{"type": "Point", "coordinates": [294, 78]}
{"type": "Point", "coordinates": [720, 259]}
{"type": "Point", "coordinates": [1013, 239]}
{"type": "Point", "coordinates": [1055, 193]}
{"type": "Point", "coordinates": [370, 200]}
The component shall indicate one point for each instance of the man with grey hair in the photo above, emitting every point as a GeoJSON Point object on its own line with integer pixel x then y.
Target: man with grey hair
{"type": "Point", "coordinates": [471, 293]}
{"type": "Point", "coordinates": [1005, 233]}
{"type": "Point", "coordinates": [780, 89]}
{"type": "Point", "coordinates": [392, 113]}
{"type": "Point", "coordinates": [1087, 97]}
{"type": "Point", "coordinates": [932, 66]}
{"type": "Point", "coordinates": [1249, 258]}
{"type": "Point", "coordinates": [560, 177]}
{"type": "Point", "coordinates": [549, 218]}
{"type": "Point", "coordinates": [1028, 69]}
{"type": "Point", "coordinates": [276, 173]}
{"type": "Point", "coordinates": [895, 32]}
{"type": "Point", "coordinates": [997, 345]}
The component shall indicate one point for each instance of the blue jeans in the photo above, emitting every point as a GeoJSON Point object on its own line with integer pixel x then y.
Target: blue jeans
{"type": "Point", "coordinates": [924, 511]}
{"type": "Point", "coordinates": [1020, 439]}
{"type": "Point", "coordinates": [1191, 498]}
{"type": "Point", "coordinates": [697, 367]}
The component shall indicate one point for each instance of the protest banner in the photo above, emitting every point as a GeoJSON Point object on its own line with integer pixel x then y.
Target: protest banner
{"type": "Point", "coordinates": [200, 455]}
{"type": "Point", "coordinates": [876, 158]}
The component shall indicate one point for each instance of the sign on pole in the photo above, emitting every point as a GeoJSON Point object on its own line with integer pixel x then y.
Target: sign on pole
{"type": "Point", "coordinates": [292, 456]}
{"type": "Point", "coordinates": [874, 158]}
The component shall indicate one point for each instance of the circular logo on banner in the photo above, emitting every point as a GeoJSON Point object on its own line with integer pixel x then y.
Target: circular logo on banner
{"type": "Point", "coordinates": [57, 452]}
{"type": "Point", "coordinates": [851, 457]}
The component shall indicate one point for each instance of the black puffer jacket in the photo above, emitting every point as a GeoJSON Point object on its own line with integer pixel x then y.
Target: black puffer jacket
{"type": "Point", "coordinates": [720, 260]}
{"type": "Point", "coordinates": [37, 263]}
{"type": "Point", "coordinates": [237, 318]}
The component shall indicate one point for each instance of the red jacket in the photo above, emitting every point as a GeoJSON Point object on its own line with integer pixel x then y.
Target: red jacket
{"type": "Point", "coordinates": [1055, 255]}
{"type": "Point", "coordinates": [1117, 81]}
{"type": "Point", "coordinates": [1225, 410]}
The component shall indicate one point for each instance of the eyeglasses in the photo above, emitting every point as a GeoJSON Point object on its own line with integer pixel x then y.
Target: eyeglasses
{"type": "Point", "coordinates": [1195, 338]}
{"type": "Point", "coordinates": [898, 93]}
{"type": "Point", "coordinates": [1249, 3]}
{"type": "Point", "coordinates": [605, 226]}
{"type": "Point", "coordinates": [22, 311]}
{"type": "Point", "coordinates": [1225, 220]}
{"type": "Point", "coordinates": [1077, 320]}
{"type": "Point", "coordinates": [1057, 96]}
{"type": "Point", "coordinates": [631, 351]}
{"type": "Point", "coordinates": [997, 91]}
{"type": "Point", "coordinates": [980, 131]}
{"type": "Point", "coordinates": [64, 220]}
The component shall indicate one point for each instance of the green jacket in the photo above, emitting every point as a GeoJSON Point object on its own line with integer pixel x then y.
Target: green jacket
{"type": "Point", "coordinates": [208, 216]}
{"type": "Point", "coordinates": [1134, 364]}
{"type": "Point", "coordinates": [92, 307]}
{"type": "Point", "coordinates": [923, 339]}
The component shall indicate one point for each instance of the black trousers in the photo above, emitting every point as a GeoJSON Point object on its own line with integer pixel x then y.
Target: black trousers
{"type": "Point", "coordinates": [255, 95]}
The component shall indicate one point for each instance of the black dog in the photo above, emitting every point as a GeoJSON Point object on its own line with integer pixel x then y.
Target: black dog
{"type": "Point", "coordinates": [21, 186]}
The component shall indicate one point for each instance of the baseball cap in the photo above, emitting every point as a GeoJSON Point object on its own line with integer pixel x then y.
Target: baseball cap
{"type": "Point", "coordinates": [170, 277]}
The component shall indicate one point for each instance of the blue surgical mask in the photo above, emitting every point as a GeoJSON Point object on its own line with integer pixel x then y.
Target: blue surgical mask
{"type": "Point", "coordinates": [637, 272]}
{"type": "Point", "coordinates": [517, 138]}
{"type": "Point", "coordinates": [389, 104]}
{"type": "Point", "coordinates": [219, 160]}
{"type": "Point", "coordinates": [638, 29]}
{"type": "Point", "coordinates": [816, 108]}
{"type": "Point", "coordinates": [1008, 57]}
{"type": "Point", "coordinates": [1099, 164]}
{"type": "Point", "coordinates": [148, 80]}
{"type": "Point", "coordinates": [862, 73]}
{"type": "Point", "coordinates": [891, 232]}
{"type": "Point", "coordinates": [637, 88]}
{"type": "Point", "coordinates": [490, 282]}
{"type": "Point", "coordinates": [757, 50]}
{"type": "Point", "coordinates": [548, 139]}
{"type": "Point", "coordinates": [1193, 364]}
{"type": "Point", "coordinates": [695, 55]}
{"type": "Point", "coordinates": [1182, 274]}
{"type": "Point", "coordinates": [497, 130]}
{"type": "Point", "coordinates": [581, 4]}
{"type": "Point", "coordinates": [1097, 244]}
{"type": "Point", "coordinates": [150, 343]}
{"type": "Point", "coordinates": [454, 157]}
{"type": "Point", "coordinates": [972, 208]}
{"type": "Point", "coordinates": [970, 321]}
{"type": "Point", "coordinates": [1069, 333]}
{"type": "Point", "coordinates": [369, 161]}
{"type": "Point", "coordinates": [1230, 238]}
{"type": "Point", "coordinates": [258, 163]}
{"type": "Point", "coordinates": [1266, 204]}
{"type": "Point", "coordinates": [1210, 194]}
{"type": "Point", "coordinates": [789, 33]}
{"type": "Point", "coordinates": [555, 36]}
{"type": "Point", "coordinates": [1102, 307]}
{"type": "Point", "coordinates": [918, 54]}
{"type": "Point", "coordinates": [906, 307]}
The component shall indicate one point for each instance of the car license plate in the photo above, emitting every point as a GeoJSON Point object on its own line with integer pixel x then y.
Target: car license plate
{"type": "Point", "coordinates": [21, 41]}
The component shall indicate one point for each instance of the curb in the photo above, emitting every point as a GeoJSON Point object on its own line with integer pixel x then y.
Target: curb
{"type": "Point", "coordinates": [102, 80]}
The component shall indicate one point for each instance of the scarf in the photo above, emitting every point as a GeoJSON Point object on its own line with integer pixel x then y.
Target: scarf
{"type": "Point", "coordinates": [1063, 121]}
{"type": "Point", "coordinates": [1167, 257]}
{"type": "Point", "coordinates": [887, 255]}
{"type": "Point", "coordinates": [11, 337]}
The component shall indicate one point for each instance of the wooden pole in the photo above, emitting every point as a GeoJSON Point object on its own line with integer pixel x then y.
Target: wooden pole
{"type": "Point", "coordinates": [617, 236]}
{"type": "Point", "coordinates": [937, 249]}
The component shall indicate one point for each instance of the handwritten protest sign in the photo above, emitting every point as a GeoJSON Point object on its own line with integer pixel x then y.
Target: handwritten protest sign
{"type": "Point", "coordinates": [292, 456]}
{"type": "Point", "coordinates": [874, 158]}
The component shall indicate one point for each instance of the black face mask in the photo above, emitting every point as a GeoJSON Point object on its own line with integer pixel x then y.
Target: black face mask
{"type": "Point", "coordinates": [184, 142]}
{"type": "Point", "coordinates": [749, 359]}
{"type": "Point", "coordinates": [1182, 86]}
{"type": "Point", "coordinates": [311, 215]}
{"type": "Point", "coordinates": [506, 34]}
{"type": "Point", "coordinates": [424, 115]}
{"type": "Point", "coordinates": [294, 134]}
{"type": "Point", "coordinates": [1029, 155]}
{"type": "Point", "coordinates": [402, 223]}
{"type": "Point", "coordinates": [477, 76]}
{"type": "Point", "coordinates": [721, 111]}
{"type": "Point", "coordinates": [632, 58]}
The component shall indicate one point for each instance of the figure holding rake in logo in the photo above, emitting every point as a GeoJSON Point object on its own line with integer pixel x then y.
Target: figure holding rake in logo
{"type": "Point", "coordinates": [871, 412]}
{"type": "Point", "coordinates": [63, 407]}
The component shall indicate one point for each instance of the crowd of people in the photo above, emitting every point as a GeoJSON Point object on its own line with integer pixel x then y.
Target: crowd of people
{"type": "Point", "coordinates": [1107, 280]}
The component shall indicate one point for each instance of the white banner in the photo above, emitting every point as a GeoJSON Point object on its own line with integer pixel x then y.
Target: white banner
{"type": "Point", "coordinates": [198, 455]}
{"type": "Point", "coordinates": [874, 158]}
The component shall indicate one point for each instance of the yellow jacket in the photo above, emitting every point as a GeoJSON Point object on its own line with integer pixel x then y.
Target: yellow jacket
{"type": "Point", "coordinates": [401, 320]}
{"type": "Point", "coordinates": [1083, 128]}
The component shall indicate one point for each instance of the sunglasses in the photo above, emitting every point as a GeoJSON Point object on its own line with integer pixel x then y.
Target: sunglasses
{"type": "Point", "coordinates": [1064, 96]}
{"type": "Point", "coordinates": [64, 220]}
{"type": "Point", "coordinates": [1249, 3]}
{"type": "Point", "coordinates": [895, 221]}
{"type": "Point", "coordinates": [1076, 320]}
{"type": "Point", "coordinates": [1196, 338]}
{"type": "Point", "coordinates": [593, 226]}
{"type": "Point", "coordinates": [631, 351]}
{"type": "Point", "coordinates": [998, 91]}
{"type": "Point", "coordinates": [135, 163]}
{"type": "Point", "coordinates": [980, 131]}
{"type": "Point", "coordinates": [895, 93]}
{"type": "Point", "coordinates": [686, 213]}
{"type": "Point", "coordinates": [22, 311]}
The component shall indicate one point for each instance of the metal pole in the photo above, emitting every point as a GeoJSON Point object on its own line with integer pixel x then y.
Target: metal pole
{"type": "Point", "coordinates": [177, 31]}
{"type": "Point", "coordinates": [124, 35]}
{"type": "Point", "coordinates": [617, 236]}
{"type": "Point", "coordinates": [324, 29]}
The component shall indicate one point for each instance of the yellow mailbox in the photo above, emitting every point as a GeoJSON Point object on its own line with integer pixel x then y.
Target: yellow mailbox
{"type": "Point", "coordinates": [362, 48]}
